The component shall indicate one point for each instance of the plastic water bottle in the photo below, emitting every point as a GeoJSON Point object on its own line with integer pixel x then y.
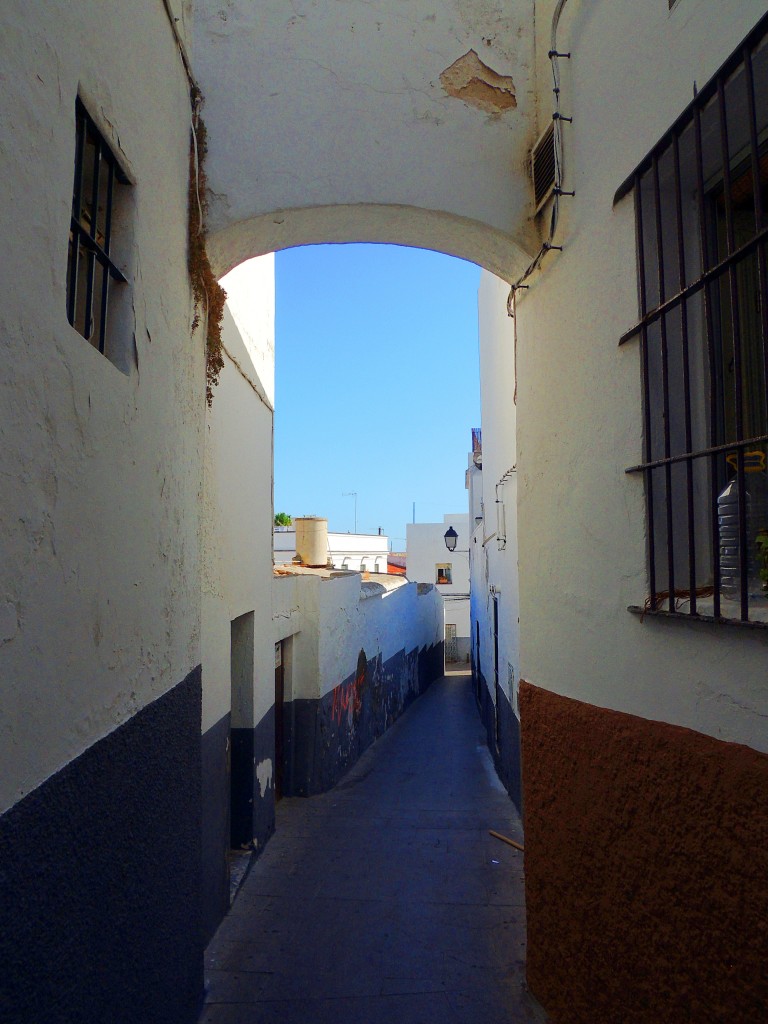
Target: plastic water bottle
{"type": "Point", "coordinates": [728, 521]}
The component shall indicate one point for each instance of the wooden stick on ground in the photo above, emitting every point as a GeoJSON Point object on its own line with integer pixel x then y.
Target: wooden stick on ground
{"type": "Point", "coordinates": [506, 839]}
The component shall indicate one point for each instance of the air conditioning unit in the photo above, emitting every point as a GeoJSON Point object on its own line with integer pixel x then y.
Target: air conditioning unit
{"type": "Point", "coordinates": [543, 167]}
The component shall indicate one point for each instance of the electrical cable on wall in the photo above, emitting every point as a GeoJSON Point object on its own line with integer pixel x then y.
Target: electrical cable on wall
{"type": "Point", "coordinates": [557, 118]}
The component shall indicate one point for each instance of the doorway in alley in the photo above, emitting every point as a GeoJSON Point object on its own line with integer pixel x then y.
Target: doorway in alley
{"type": "Point", "coordinates": [279, 720]}
{"type": "Point", "coordinates": [241, 732]}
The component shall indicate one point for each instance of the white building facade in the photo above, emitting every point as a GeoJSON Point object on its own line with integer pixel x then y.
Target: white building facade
{"type": "Point", "coordinates": [428, 560]}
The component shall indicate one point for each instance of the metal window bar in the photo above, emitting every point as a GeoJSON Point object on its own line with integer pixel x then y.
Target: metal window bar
{"type": "Point", "coordinates": [105, 272]}
{"type": "Point", "coordinates": [689, 499]}
{"type": "Point", "coordinates": [646, 393]}
{"type": "Point", "coordinates": [710, 275]}
{"type": "Point", "coordinates": [75, 216]}
{"type": "Point", "coordinates": [709, 328]}
{"type": "Point", "coordinates": [716, 271]}
{"type": "Point", "coordinates": [715, 449]}
{"type": "Point", "coordinates": [733, 291]}
{"type": "Point", "coordinates": [83, 240]}
{"type": "Point", "coordinates": [90, 258]}
{"type": "Point", "coordinates": [664, 380]}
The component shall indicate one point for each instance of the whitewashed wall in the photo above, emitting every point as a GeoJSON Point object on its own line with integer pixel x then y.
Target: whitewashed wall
{"type": "Point", "coordinates": [494, 540]}
{"type": "Point", "coordinates": [331, 620]}
{"type": "Point", "coordinates": [355, 617]}
{"type": "Point", "coordinates": [582, 519]}
{"type": "Point", "coordinates": [237, 497]}
{"type": "Point", "coordinates": [100, 597]}
{"type": "Point", "coordinates": [295, 611]}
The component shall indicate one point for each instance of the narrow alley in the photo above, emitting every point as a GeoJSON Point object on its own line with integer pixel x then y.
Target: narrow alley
{"type": "Point", "coordinates": [386, 899]}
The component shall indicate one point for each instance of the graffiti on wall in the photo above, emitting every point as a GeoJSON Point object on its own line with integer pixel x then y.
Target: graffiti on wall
{"type": "Point", "coordinates": [349, 696]}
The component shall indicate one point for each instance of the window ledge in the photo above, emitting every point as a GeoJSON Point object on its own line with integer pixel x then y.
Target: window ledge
{"type": "Point", "coordinates": [698, 617]}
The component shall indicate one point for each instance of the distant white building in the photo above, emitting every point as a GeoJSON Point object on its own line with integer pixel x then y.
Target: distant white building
{"type": "Point", "coordinates": [358, 552]}
{"type": "Point", "coordinates": [428, 560]}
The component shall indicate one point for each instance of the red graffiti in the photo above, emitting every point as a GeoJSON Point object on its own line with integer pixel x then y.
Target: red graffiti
{"type": "Point", "coordinates": [348, 695]}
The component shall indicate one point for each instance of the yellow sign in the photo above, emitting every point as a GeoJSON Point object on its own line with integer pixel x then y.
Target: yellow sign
{"type": "Point", "coordinates": [754, 462]}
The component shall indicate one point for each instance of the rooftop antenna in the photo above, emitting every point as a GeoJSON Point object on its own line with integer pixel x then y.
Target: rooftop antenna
{"type": "Point", "coordinates": [351, 494]}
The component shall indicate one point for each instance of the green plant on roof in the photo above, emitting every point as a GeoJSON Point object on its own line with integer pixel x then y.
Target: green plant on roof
{"type": "Point", "coordinates": [282, 519]}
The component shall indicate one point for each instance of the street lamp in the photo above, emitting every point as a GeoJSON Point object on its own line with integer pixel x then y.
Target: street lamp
{"type": "Point", "coordinates": [450, 537]}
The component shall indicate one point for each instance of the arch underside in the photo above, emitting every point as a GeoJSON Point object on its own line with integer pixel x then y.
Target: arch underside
{"type": "Point", "coordinates": [368, 222]}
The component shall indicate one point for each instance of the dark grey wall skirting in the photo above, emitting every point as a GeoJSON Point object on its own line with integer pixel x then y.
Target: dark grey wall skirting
{"type": "Point", "coordinates": [505, 748]}
{"type": "Point", "coordinates": [215, 827]}
{"type": "Point", "coordinates": [263, 819]}
{"type": "Point", "coordinates": [325, 737]}
{"type": "Point", "coordinates": [100, 879]}
{"type": "Point", "coordinates": [236, 813]}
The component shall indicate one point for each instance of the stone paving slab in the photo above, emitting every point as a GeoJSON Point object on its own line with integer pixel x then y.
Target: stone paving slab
{"type": "Point", "coordinates": [385, 901]}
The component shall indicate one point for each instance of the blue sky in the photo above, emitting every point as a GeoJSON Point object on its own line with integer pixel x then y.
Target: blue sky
{"type": "Point", "coordinates": [377, 384]}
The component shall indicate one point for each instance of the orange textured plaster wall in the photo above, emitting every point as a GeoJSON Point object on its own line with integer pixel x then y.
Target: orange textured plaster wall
{"type": "Point", "coordinates": [646, 868]}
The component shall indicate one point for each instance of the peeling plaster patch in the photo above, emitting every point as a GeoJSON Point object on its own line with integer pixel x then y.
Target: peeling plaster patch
{"type": "Point", "coordinates": [470, 80]}
{"type": "Point", "coordinates": [264, 775]}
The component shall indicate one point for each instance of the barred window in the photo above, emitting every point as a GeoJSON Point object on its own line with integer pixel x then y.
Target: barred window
{"type": "Point", "coordinates": [93, 276]}
{"type": "Point", "coordinates": [444, 573]}
{"type": "Point", "coordinates": [701, 214]}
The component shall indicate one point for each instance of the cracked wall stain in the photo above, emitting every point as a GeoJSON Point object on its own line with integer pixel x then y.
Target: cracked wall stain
{"type": "Point", "coordinates": [472, 81]}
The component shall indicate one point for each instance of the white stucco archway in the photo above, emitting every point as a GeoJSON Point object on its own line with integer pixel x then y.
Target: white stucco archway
{"type": "Point", "coordinates": [395, 225]}
{"type": "Point", "coordinates": [354, 122]}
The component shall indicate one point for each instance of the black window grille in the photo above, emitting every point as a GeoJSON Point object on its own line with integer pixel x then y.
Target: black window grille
{"type": "Point", "coordinates": [90, 267]}
{"type": "Point", "coordinates": [701, 215]}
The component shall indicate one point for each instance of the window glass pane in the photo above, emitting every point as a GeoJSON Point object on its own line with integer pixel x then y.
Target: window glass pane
{"type": "Point", "coordinates": [702, 495]}
{"type": "Point", "coordinates": [90, 164]}
{"type": "Point", "coordinates": [711, 152]}
{"type": "Point", "coordinates": [739, 144]}
{"type": "Point", "coordinates": [689, 204]}
{"type": "Point", "coordinates": [669, 239]}
{"type": "Point", "coordinates": [698, 370]}
{"type": "Point", "coordinates": [656, 393]}
{"type": "Point", "coordinates": [101, 223]}
{"type": "Point", "coordinates": [752, 349]}
{"type": "Point", "coordinates": [657, 511]}
{"type": "Point", "coordinates": [650, 251]}
{"type": "Point", "coordinates": [100, 289]}
{"type": "Point", "coordinates": [82, 315]}
{"type": "Point", "coordinates": [675, 378]}
{"type": "Point", "coordinates": [760, 85]}
{"type": "Point", "coordinates": [725, 391]}
{"type": "Point", "coordinates": [679, 492]}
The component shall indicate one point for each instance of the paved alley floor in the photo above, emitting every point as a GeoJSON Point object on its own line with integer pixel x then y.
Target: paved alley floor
{"type": "Point", "coordinates": [385, 900]}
